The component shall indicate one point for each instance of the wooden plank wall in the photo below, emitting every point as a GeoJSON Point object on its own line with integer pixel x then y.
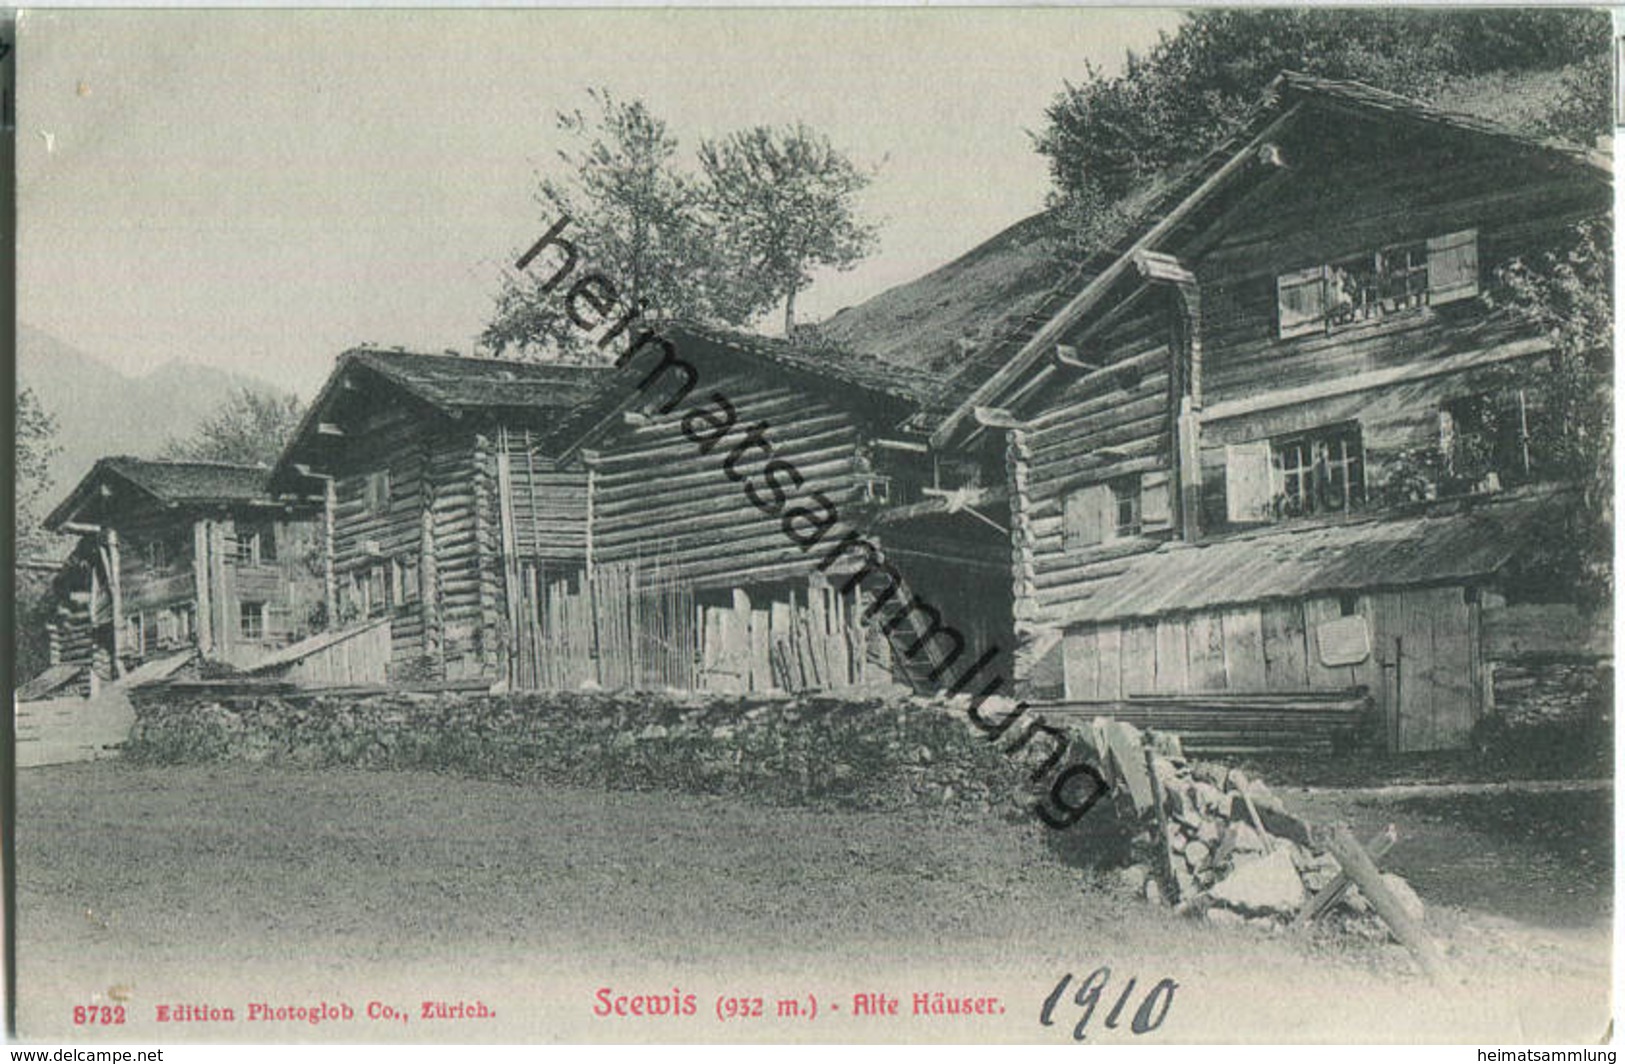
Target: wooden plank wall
{"type": "Point", "coordinates": [1424, 670]}
{"type": "Point", "coordinates": [363, 658]}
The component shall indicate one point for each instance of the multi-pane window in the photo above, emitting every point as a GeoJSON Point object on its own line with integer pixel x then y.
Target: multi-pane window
{"type": "Point", "coordinates": [1373, 285]}
{"type": "Point", "coordinates": [1322, 472]}
{"type": "Point", "coordinates": [256, 542]}
{"type": "Point", "coordinates": [1317, 472]}
{"type": "Point", "coordinates": [251, 620]}
{"type": "Point", "coordinates": [1126, 507]}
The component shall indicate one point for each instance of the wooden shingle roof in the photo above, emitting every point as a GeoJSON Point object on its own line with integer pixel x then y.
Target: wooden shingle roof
{"type": "Point", "coordinates": [979, 376]}
{"type": "Point", "coordinates": [167, 483]}
{"type": "Point", "coordinates": [452, 383]}
{"type": "Point", "coordinates": [1443, 543]}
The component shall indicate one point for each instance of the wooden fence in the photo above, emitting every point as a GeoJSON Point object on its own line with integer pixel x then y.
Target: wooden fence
{"type": "Point", "coordinates": [798, 641]}
{"type": "Point", "coordinates": [639, 625]}
{"type": "Point", "coordinates": [632, 626]}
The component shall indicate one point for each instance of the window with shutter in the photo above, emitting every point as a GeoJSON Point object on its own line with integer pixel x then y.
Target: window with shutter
{"type": "Point", "coordinates": [1084, 517]}
{"type": "Point", "coordinates": [1453, 267]}
{"type": "Point", "coordinates": [1301, 298]}
{"type": "Point", "coordinates": [1156, 503]}
{"type": "Point", "coordinates": [1249, 483]}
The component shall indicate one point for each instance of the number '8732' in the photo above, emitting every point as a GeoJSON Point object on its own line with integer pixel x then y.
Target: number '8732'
{"type": "Point", "coordinates": [98, 1015]}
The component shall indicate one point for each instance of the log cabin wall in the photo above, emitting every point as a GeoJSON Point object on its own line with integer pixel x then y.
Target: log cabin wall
{"type": "Point", "coordinates": [656, 495]}
{"type": "Point", "coordinates": [1091, 477]}
{"type": "Point", "coordinates": [418, 535]}
{"type": "Point", "coordinates": [1355, 188]}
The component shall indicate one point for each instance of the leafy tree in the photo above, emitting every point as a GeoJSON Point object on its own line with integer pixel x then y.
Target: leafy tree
{"type": "Point", "coordinates": [249, 428]}
{"type": "Point", "coordinates": [35, 448]}
{"type": "Point", "coordinates": [633, 213]}
{"type": "Point", "coordinates": [1569, 292]}
{"type": "Point", "coordinates": [1108, 137]}
{"type": "Point", "coordinates": [782, 202]}
{"type": "Point", "coordinates": [722, 242]}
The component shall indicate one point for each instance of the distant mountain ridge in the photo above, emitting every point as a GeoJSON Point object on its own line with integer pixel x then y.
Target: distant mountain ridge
{"type": "Point", "coordinates": [102, 411]}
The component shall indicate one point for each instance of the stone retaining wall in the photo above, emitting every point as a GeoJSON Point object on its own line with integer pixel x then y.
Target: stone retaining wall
{"type": "Point", "coordinates": [877, 753]}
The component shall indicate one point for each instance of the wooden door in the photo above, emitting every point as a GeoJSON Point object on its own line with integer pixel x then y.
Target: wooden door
{"type": "Point", "coordinates": [1425, 645]}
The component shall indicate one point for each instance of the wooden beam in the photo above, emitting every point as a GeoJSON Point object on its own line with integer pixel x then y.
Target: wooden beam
{"type": "Point", "coordinates": [1097, 287]}
{"type": "Point", "coordinates": [80, 529]}
{"type": "Point", "coordinates": [328, 428]}
{"type": "Point", "coordinates": [1360, 868]}
{"type": "Point", "coordinates": [1333, 892]}
{"type": "Point", "coordinates": [115, 593]}
{"type": "Point", "coordinates": [1067, 357]}
{"type": "Point", "coordinates": [204, 634]}
{"type": "Point", "coordinates": [1155, 266]}
{"type": "Point", "coordinates": [1360, 382]}
{"type": "Point", "coordinates": [994, 417]}
{"type": "Point", "coordinates": [902, 445]}
{"type": "Point", "coordinates": [330, 583]}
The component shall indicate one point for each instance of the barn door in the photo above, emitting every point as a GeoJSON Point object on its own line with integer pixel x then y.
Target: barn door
{"type": "Point", "coordinates": [1430, 662]}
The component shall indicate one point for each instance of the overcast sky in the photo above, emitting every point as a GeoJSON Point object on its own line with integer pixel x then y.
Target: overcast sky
{"type": "Point", "coordinates": [260, 190]}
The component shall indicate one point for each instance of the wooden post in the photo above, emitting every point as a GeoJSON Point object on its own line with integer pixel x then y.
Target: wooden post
{"type": "Point", "coordinates": [1363, 871]}
{"type": "Point", "coordinates": [1332, 892]}
{"type": "Point", "coordinates": [507, 534]}
{"type": "Point", "coordinates": [111, 556]}
{"type": "Point", "coordinates": [95, 596]}
{"type": "Point", "coordinates": [330, 583]}
{"type": "Point", "coordinates": [1164, 845]}
{"type": "Point", "coordinates": [204, 627]}
{"type": "Point", "coordinates": [1189, 432]}
{"type": "Point", "coordinates": [220, 596]}
{"type": "Point", "coordinates": [1241, 781]}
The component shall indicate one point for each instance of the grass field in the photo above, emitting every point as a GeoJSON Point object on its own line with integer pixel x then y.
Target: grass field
{"type": "Point", "coordinates": [231, 884]}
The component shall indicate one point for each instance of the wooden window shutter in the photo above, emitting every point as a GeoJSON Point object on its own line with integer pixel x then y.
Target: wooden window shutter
{"type": "Point", "coordinates": [1249, 482]}
{"type": "Point", "coordinates": [1453, 267]}
{"type": "Point", "coordinates": [1301, 298]}
{"type": "Point", "coordinates": [1156, 507]}
{"type": "Point", "coordinates": [1085, 514]}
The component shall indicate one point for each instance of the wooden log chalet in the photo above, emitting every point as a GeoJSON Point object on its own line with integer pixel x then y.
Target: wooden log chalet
{"type": "Point", "coordinates": [1276, 441]}
{"type": "Point", "coordinates": [435, 492]}
{"type": "Point", "coordinates": [719, 500]}
{"type": "Point", "coordinates": [178, 558]}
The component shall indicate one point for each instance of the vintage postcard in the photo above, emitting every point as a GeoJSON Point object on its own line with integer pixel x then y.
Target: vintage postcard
{"type": "Point", "coordinates": [1081, 526]}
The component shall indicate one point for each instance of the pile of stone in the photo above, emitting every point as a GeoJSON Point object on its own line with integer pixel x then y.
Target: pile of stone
{"type": "Point", "coordinates": [1213, 842]}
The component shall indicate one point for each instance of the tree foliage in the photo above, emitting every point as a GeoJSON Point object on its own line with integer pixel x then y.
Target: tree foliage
{"type": "Point", "coordinates": [1569, 292]}
{"type": "Point", "coordinates": [36, 446]}
{"type": "Point", "coordinates": [1108, 136]}
{"type": "Point", "coordinates": [632, 211]}
{"type": "Point", "coordinates": [249, 428]}
{"type": "Point", "coordinates": [782, 202]}
{"type": "Point", "coordinates": [707, 242]}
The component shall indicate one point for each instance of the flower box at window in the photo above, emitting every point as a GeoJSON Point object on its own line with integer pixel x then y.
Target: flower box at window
{"type": "Point", "coordinates": [1311, 473]}
{"type": "Point", "coordinates": [1374, 285]}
